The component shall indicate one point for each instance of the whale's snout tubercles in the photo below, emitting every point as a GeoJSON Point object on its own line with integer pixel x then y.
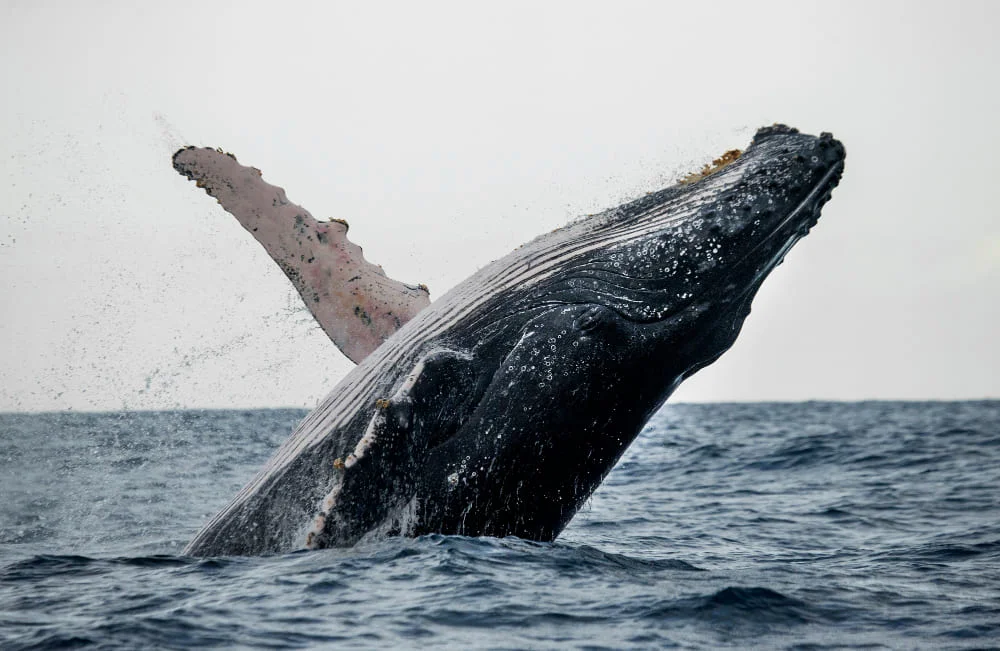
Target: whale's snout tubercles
{"type": "Point", "coordinates": [831, 150]}
{"type": "Point", "coordinates": [807, 166]}
{"type": "Point", "coordinates": [774, 130]}
{"type": "Point", "coordinates": [826, 150]}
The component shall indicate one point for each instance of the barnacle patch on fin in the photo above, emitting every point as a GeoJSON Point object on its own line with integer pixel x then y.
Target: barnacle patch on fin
{"type": "Point", "coordinates": [719, 163]}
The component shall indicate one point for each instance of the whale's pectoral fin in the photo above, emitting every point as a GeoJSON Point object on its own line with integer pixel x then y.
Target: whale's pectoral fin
{"type": "Point", "coordinates": [354, 302]}
{"type": "Point", "coordinates": [379, 476]}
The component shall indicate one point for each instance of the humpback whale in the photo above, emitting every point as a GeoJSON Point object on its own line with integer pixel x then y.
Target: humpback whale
{"type": "Point", "coordinates": [500, 407]}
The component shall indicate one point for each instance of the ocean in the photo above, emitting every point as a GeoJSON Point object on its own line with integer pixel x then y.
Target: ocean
{"type": "Point", "coordinates": [767, 525]}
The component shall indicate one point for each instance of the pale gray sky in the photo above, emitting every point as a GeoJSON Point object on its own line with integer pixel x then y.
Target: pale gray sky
{"type": "Point", "coordinates": [447, 134]}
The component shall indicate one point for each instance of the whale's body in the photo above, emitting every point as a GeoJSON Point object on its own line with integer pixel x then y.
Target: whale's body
{"type": "Point", "coordinates": [498, 409]}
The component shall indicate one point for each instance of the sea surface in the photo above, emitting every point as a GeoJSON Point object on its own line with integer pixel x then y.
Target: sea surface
{"type": "Point", "coordinates": [799, 526]}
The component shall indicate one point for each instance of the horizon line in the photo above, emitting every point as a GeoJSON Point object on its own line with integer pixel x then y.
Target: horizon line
{"type": "Point", "coordinates": [817, 401]}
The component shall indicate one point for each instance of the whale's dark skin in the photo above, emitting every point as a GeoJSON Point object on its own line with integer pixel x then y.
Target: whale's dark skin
{"type": "Point", "coordinates": [501, 407]}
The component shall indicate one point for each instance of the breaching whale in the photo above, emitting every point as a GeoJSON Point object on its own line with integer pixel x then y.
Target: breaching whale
{"type": "Point", "coordinates": [500, 407]}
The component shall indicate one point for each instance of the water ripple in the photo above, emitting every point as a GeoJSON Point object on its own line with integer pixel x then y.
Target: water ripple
{"type": "Point", "coordinates": [806, 526]}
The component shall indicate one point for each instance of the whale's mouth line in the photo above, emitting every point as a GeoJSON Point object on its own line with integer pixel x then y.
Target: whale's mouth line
{"type": "Point", "coordinates": [822, 186]}
{"type": "Point", "coordinates": [741, 301]}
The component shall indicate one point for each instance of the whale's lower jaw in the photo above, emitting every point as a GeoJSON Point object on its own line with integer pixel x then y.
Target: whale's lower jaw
{"type": "Point", "coordinates": [498, 409]}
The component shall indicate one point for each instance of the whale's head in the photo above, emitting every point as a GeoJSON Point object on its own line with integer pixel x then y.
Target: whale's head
{"type": "Point", "coordinates": [742, 222]}
{"type": "Point", "coordinates": [678, 269]}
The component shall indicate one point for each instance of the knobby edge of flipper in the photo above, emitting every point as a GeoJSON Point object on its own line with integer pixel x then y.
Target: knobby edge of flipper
{"type": "Point", "coordinates": [353, 300]}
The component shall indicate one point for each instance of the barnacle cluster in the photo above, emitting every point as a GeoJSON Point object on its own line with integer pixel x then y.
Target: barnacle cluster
{"type": "Point", "coordinates": [722, 161]}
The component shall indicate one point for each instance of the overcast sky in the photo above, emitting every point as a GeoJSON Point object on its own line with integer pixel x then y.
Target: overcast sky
{"type": "Point", "coordinates": [447, 134]}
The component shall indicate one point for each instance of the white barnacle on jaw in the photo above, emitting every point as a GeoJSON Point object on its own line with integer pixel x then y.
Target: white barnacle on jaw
{"type": "Point", "coordinates": [366, 442]}
{"type": "Point", "coordinates": [378, 420]}
{"type": "Point", "coordinates": [319, 522]}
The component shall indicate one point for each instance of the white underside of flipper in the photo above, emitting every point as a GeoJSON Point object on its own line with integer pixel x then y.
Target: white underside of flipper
{"type": "Point", "coordinates": [352, 299]}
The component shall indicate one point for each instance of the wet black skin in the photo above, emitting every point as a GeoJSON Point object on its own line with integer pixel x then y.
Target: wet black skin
{"type": "Point", "coordinates": [585, 376]}
{"type": "Point", "coordinates": [526, 403]}
{"type": "Point", "coordinates": [533, 450]}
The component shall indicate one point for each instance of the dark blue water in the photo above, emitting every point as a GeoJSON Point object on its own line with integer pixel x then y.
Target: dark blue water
{"type": "Point", "coordinates": [808, 526]}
